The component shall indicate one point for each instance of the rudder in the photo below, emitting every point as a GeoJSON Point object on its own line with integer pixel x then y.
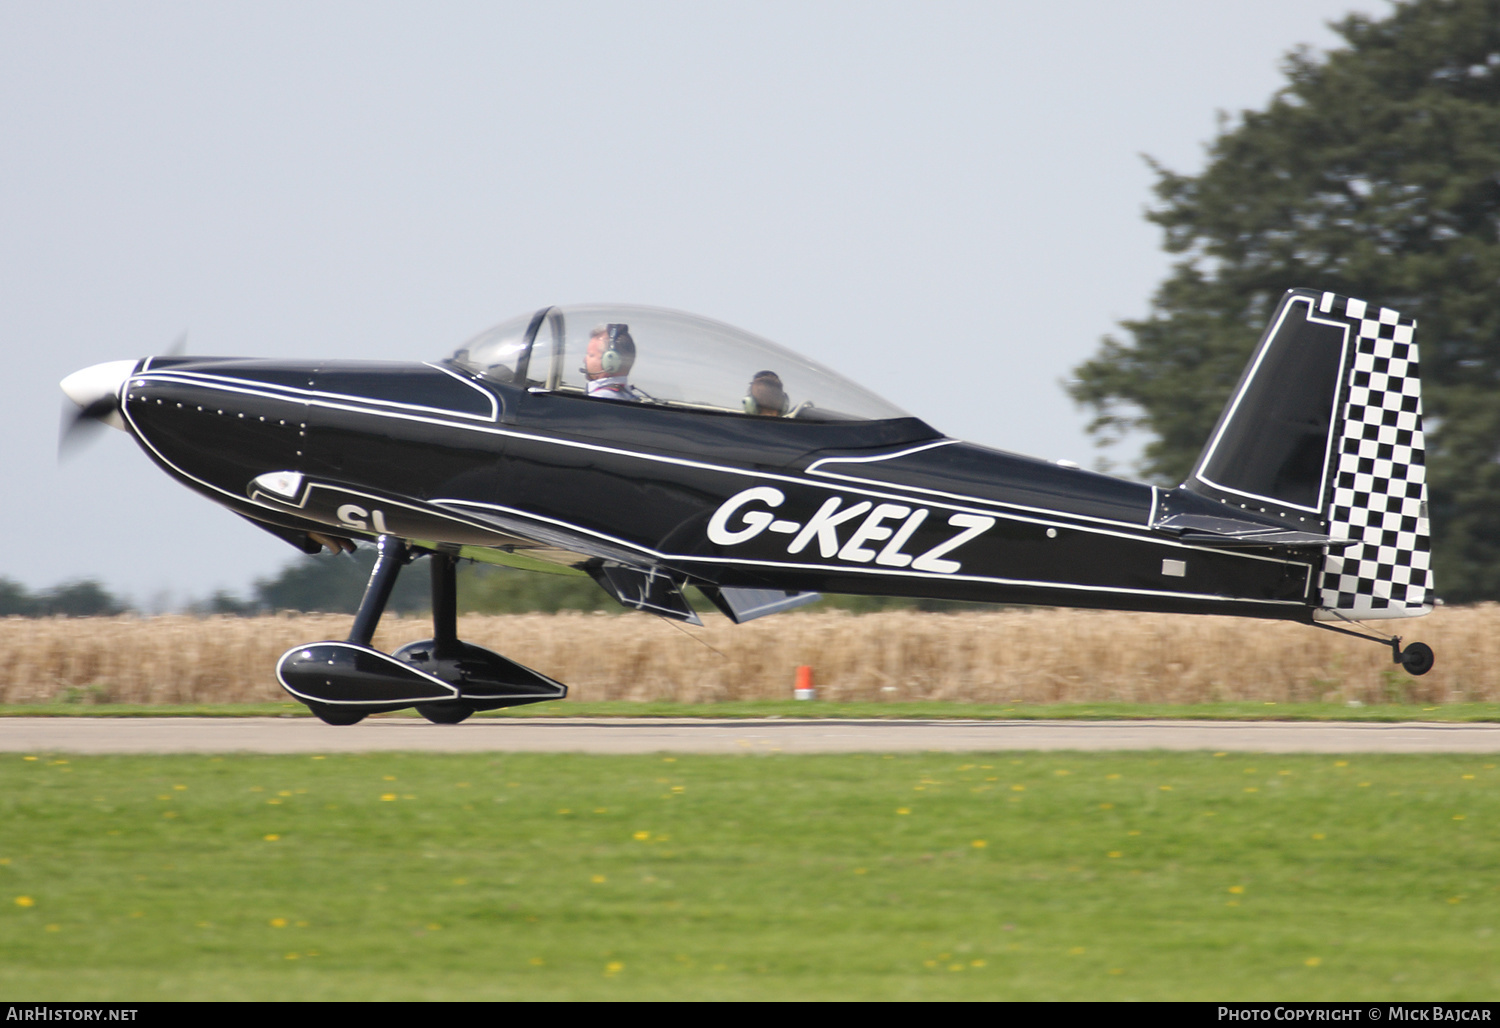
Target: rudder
{"type": "Point", "coordinates": [1380, 485]}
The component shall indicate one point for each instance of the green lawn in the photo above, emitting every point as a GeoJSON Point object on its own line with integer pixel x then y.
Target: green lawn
{"type": "Point", "coordinates": [998, 876]}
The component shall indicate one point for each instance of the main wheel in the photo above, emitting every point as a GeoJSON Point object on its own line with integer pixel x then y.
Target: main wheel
{"type": "Point", "coordinates": [1418, 659]}
{"type": "Point", "coordinates": [445, 713]}
{"type": "Point", "coordinates": [332, 715]}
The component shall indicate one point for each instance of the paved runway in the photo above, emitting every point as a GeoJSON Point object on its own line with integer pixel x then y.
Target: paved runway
{"type": "Point", "coordinates": [653, 735]}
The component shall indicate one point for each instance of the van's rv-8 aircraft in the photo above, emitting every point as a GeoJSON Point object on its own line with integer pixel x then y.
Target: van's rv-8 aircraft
{"type": "Point", "coordinates": [625, 444]}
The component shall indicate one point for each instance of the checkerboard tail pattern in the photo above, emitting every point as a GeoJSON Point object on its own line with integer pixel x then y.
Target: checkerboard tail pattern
{"type": "Point", "coordinates": [1378, 491]}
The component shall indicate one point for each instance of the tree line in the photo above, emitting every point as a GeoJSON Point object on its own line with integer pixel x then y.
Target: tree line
{"type": "Point", "coordinates": [334, 585]}
{"type": "Point", "coordinates": [72, 599]}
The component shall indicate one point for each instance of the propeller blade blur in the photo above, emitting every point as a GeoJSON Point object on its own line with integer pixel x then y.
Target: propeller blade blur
{"type": "Point", "coordinates": [95, 395]}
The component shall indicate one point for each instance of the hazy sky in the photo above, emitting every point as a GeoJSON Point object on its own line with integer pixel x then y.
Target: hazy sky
{"type": "Point", "coordinates": [941, 200]}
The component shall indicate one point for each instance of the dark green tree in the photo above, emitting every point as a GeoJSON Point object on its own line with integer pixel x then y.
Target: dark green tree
{"type": "Point", "coordinates": [333, 584]}
{"type": "Point", "coordinates": [223, 602]}
{"type": "Point", "coordinates": [16, 599]}
{"type": "Point", "coordinates": [1375, 172]}
{"type": "Point", "coordinates": [86, 598]}
{"type": "Point", "coordinates": [485, 589]}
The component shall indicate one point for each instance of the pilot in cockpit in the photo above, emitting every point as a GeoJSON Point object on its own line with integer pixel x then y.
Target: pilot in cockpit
{"type": "Point", "coordinates": [607, 363]}
{"type": "Point", "coordinates": [766, 395]}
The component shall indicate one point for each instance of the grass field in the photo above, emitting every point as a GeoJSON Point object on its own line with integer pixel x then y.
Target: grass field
{"type": "Point", "coordinates": [1015, 875]}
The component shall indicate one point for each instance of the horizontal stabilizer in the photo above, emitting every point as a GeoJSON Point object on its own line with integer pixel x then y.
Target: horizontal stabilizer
{"type": "Point", "coordinates": [741, 605]}
{"type": "Point", "coordinates": [1232, 533]}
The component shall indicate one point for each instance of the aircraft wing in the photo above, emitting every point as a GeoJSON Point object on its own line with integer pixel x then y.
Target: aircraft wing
{"type": "Point", "coordinates": [638, 579]}
{"type": "Point", "coordinates": [560, 538]}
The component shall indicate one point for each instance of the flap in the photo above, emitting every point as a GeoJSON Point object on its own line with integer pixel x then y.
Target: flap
{"type": "Point", "coordinates": [741, 605]}
{"type": "Point", "coordinates": [649, 589]}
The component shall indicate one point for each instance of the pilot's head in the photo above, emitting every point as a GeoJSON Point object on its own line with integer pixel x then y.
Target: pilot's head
{"type": "Point", "coordinates": [611, 352]}
{"type": "Point", "coordinates": [766, 395]}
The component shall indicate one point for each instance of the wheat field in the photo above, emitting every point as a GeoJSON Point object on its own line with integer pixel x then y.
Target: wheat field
{"type": "Point", "coordinates": [1025, 656]}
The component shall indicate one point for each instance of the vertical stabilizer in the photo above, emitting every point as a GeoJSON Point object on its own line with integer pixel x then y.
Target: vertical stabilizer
{"type": "Point", "coordinates": [1325, 428]}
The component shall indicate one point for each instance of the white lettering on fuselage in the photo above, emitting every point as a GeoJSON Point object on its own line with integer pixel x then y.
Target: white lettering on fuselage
{"type": "Point", "coordinates": [740, 519]}
{"type": "Point", "coordinates": [753, 522]}
{"type": "Point", "coordinates": [353, 515]}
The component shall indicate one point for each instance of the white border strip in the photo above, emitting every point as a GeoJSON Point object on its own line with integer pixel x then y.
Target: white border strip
{"type": "Point", "coordinates": [297, 394]}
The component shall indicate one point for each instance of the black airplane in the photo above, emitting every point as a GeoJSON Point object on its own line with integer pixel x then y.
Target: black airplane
{"type": "Point", "coordinates": [652, 450]}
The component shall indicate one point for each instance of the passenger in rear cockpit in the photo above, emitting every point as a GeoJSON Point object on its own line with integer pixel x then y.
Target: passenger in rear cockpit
{"type": "Point", "coordinates": [607, 363]}
{"type": "Point", "coordinates": [766, 396]}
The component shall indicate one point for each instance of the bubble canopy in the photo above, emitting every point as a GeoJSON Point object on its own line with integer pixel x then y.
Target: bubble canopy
{"type": "Point", "coordinates": [681, 360]}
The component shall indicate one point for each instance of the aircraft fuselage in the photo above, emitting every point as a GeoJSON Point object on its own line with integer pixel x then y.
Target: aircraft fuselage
{"type": "Point", "coordinates": [431, 454]}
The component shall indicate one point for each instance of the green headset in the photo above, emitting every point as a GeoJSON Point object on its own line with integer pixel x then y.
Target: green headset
{"type": "Point", "coordinates": [619, 354]}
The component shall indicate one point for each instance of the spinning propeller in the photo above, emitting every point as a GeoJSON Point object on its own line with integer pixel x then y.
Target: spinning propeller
{"type": "Point", "coordinates": [95, 392]}
{"type": "Point", "coordinates": [95, 395]}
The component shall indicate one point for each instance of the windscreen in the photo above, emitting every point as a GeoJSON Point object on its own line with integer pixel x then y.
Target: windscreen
{"type": "Point", "coordinates": [653, 356]}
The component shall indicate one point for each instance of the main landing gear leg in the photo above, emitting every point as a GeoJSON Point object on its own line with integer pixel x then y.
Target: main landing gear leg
{"type": "Point", "coordinates": [393, 555]}
{"type": "Point", "coordinates": [445, 644]}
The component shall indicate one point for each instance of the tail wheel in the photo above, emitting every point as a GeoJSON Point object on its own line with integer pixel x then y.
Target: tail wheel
{"type": "Point", "coordinates": [331, 715]}
{"type": "Point", "coordinates": [445, 713]}
{"type": "Point", "coordinates": [1417, 659]}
